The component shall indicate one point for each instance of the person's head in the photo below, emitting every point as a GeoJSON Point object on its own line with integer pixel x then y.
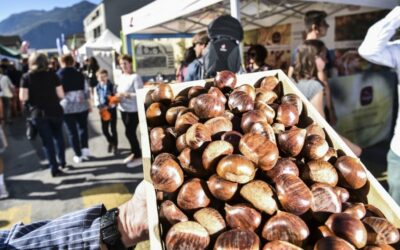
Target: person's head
{"type": "Point", "coordinates": [306, 59]}
{"type": "Point", "coordinates": [315, 23]}
{"type": "Point", "coordinates": [102, 76]}
{"type": "Point", "coordinates": [38, 62]}
{"type": "Point", "coordinates": [257, 54]}
{"type": "Point", "coordinates": [200, 41]}
{"type": "Point", "coordinates": [93, 63]}
{"type": "Point", "coordinates": [67, 61]}
{"type": "Point", "coordinates": [189, 56]}
{"type": "Point", "coordinates": [125, 62]}
{"type": "Point", "coordinates": [53, 63]}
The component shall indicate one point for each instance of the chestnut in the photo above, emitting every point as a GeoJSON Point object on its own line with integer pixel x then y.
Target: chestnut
{"type": "Point", "coordinates": [161, 141]}
{"type": "Point", "coordinates": [233, 137]}
{"type": "Point", "coordinates": [279, 128]}
{"type": "Point", "coordinates": [216, 92]}
{"type": "Point", "coordinates": [287, 114]}
{"type": "Point", "coordinates": [315, 129]}
{"type": "Point", "coordinates": [214, 152]}
{"type": "Point", "coordinates": [283, 166]}
{"type": "Point", "coordinates": [237, 239]}
{"type": "Point", "coordinates": [315, 147]}
{"type": "Point", "coordinates": [372, 211]}
{"type": "Point", "coordinates": [192, 103]}
{"type": "Point", "coordinates": [260, 150]}
{"type": "Point", "coordinates": [280, 245]}
{"type": "Point", "coordinates": [351, 172]}
{"type": "Point", "coordinates": [240, 102]}
{"type": "Point", "coordinates": [320, 171]}
{"type": "Point", "coordinates": [291, 141]}
{"type": "Point", "coordinates": [172, 114]}
{"type": "Point", "coordinates": [195, 91]}
{"type": "Point", "coordinates": [210, 219]}
{"type": "Point", "coordinates": [333, 243]}
{"type": "Point", "coordinates": [286, 227]}
{"type": "Point", "coordinates": [197, 135]}
{"type": "Point", "coordinates": [249, 89]}
{"type": "Point", "coordinates": [267, 110]}
{"type": "Point", "coordinates": [294, 100]}
{"type": "Point", "coordinates": [293, 194]}
{"type": "Point", "coordinates": [220, 188]}
{"type": "Point", "coordinates": [180, 143]}
{"type": "Point", "coordinates": [379, 247]}
{"type": "Point", "coordinates": [266, 96]}
{"type": "Point", "coordinates": [325, 199]}
{"type": "Point", "coordinates": [325, 231]}
{"type": "Point", "coordinates": [355, 209]}
{"type": "Point", "coordinates": [208, 106]}
{"type": "Point", "coordinates": [155, 114]}
{"type": "Point", "coordinates": [260, 195]}
{"type": "Point", "coordinates": [218, 124]}
{"type": "Point", "coordinates": [166, 173]}
{"type": "Point", "coordinates": [264, 129]}
{"type": "Point", "coordinates": [228, 115]}
{"type": "Point", "coordinates": [342, 193]}
{"type": "Point", "coordinates": [236, 168]}
{"type": "Point", "coordinates": [348, 228]}
{"type": "Point", "coordinates": [242, 216]}
{"type": "Point", "coordinates": [170, 212]}
{"type": "Point", "coordinates": [187, 234]}
{"type": "Point", "coordinates": [251, 117]}
{"type": "Point", "coordinates": [269, 83]}
{"type": "Point", "coordinates": [184, 121]}
{"type": "Point", "coordinates": [163, 93]}
{"type": "Point", "coordinates": [193, 195]}
{"type": "Point", "coordinates": [330, 156]}
{"type": "Point", "coordinates": [225, 79]}
{"type": "Point", "coordinates": [381, 231]}
{"type": "Point", "coordinates": [190, 161]}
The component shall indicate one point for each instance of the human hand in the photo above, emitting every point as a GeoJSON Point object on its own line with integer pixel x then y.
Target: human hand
{"type": "Point", "coordinates": [132, 218]}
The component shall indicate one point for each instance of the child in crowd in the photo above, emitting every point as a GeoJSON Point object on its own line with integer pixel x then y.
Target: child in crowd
{"type": "Point", "coordinates": [107, 102]}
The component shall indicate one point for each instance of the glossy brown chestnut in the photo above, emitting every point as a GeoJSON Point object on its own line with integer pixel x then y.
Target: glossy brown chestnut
{"type": "Point", "coordinates": [315, 129]}
{"type": "Point", "coordinates": [251, 117]}
{"type": "Point", "coordinates": [280, 245]}
{"type": "Point", "coordinates": [172, 114]}
{"type": "Point", "coordinates": [195, 91]}
{"type": "Point", "coordinates": [236, 168]}
{"type": "Point", "coordinates": [184, 121]}
{"type": "Point", "coordinates": [228, 115]}
{"type": "Point", "coordinates": [260, 150]}
{"type": "Point", "coordinates": [379, 247]}
{"type": "Point", "coordinates": [283, 166]}
{"type": "Point", "coordinates": [155, 114]}
{"type": "Point", "coordinates": [333, 243]}
{"type": "Point", "coordinates": [287, 114]}
{"type": "Point", "coordinates": [170, 212]}
{"type": "Point", "coordinates": [187, 235]}
{"type": "Point", "coordinates": [260, 195]}
{"type": "Point", "coordinates": [218, 124]}
{"type": "Point", "coordinates": [249, 89]}
{"type": "Point", "coordinates": [221, 189]}
{"type": "Point", "coordinates": [210, 219]}
{"type": "Point", "coordinates": [240, 102]}
{"type": "Point", "coordinates": [291, 141]}
{"type": "Point", "coordinates": [181, 143]}
{"type": "Point", "coordinates": [225, 79]}
{"type": "Point", "coordinates": [325, 199]}
{"type": "Point", "coordinates": [269, 83]}
{"type": "Point", "coordinates": [315, 147]}
{"type": "Point", "coordinates": [264, 129]}
{"type": "Point", "coordinates": [373, 211]}
{"type": "Point", "coordinates": [166, 173]}
{"type": "Point", "coordinates": [294, 100]}
{"type": "Point", "coordinates": [218, 93]}
{"type": "Point", "coordinates": [320, 171]}
{"type": "Point", "coordinates": [192, 103]}
{"type": "Point", "coordinates": [163, 93]}
{"type": "Point", "coordinates": [242, 216]}
{"type": "Point", "coordinates": [208, 106]}
{"type": "Point", "coordinates": [383, 232]}
{"type": "Point", "coordinates": [267, 110]}
{"type": "Point", "coordinates": [214, 152]}
{"type": "Point", "coordinates": [343, 194]}
{"type": "Point", "coordinates": [286, 227]}
{"type": "Point", "coordinates": [351, 172]}
{"type": "Point", "coordinates": [197, 135]}
{"type": "Point", "coordinates": [193, 195]}
{"type": "Point", "coordinates": [161, 141]}
{"type": "Point", "coordinates": [266, 96]}
{"type": "Point", "coordinates": [325, 231]}
{"type": "Point", "coordinates": [293, 194]}
{"type": "Point", "coordinates": [279, 128]}
{"type": "Point", "coordinates": [237, 239]}
{"type": "Point", "coordinates": [233, 137]}
{"type": "Point", "coordinates": [355, 209]}
{"type": "Point", "coordinates": [348, 228]}
{"type": "Point", "coordinates": [190, 161]}
{"type": "Point", "coordinates": [330, 156]}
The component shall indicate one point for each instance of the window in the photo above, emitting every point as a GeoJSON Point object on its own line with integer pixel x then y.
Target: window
{"type": "Point", "coordinates": [97, 32]}
{"type": "Point", "coordinates": [96, 14]}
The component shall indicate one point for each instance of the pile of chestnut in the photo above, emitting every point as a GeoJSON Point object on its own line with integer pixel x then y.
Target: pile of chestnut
{"type": "Point", "coordinates": [244, 167]}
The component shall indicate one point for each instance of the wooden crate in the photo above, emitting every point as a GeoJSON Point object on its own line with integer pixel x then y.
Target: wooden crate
{"type": "Point", "coordinates": [377, 195]}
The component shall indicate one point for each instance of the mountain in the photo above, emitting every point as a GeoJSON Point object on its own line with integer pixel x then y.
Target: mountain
{"type": "Point", "coordinates": [41, 28]}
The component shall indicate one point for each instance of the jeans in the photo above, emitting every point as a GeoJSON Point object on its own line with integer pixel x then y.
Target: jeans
{"type": "Point", "coordinates": [112, 137]}
{"type": "Point", "coordinates": [50, 130]}
{"type": "Point", "coordinates": [6, 108]}
{"type": "Point", "coordinates": [77, 131]}
{"type": "Point", "coordinates": [131, 120]}
{"type": "Point", "coordinates": [393, 172]}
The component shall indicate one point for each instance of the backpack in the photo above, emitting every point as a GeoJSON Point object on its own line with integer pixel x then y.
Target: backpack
{"type": "Point", "coordinates": [223, 52]}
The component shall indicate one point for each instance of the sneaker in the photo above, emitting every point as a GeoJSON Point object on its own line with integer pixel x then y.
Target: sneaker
{"type": "Point", "coordinates": [85, 153]}
{"type": "Point", "coordinates": [129, 158]}
{"type": "Point", "coordinates": [3, 192]}
{"type": "Point", "coordinates": [57, 173]}
{"type": "Point", "coordinates": [77, 159]}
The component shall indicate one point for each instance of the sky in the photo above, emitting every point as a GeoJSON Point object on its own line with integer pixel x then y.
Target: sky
{"type": "Point", "coordinates": [9, 7]}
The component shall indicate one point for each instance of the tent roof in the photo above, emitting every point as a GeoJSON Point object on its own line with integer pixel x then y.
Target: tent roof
{"type": "Point", "coordinates": [4, 51]}
{"type": "Point", "coordinates": [107, 40]}
{"type": "Point", "coordinates": [190, 16]}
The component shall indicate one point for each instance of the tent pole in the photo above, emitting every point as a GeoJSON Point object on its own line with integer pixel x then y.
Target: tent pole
{"type": "Point", "coordinates": [235, 9]}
